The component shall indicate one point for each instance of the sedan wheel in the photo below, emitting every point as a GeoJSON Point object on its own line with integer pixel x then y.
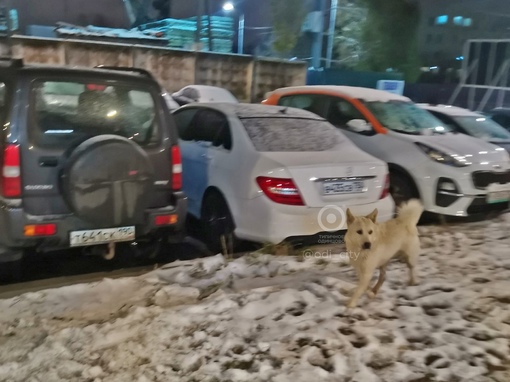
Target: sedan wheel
{"type": "Point", "coordinates": [218, 224]}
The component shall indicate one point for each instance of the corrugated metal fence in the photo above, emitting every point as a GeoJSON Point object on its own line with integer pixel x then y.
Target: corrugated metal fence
{"type": "Point", "coordinates": [248, 78]}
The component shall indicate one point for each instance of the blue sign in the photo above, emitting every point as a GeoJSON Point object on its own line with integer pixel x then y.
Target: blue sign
{"type": "Point", "coordinates": [392, 86]}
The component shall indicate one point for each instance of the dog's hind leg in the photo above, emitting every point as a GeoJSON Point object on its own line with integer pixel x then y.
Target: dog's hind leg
{"type": "Point", "coordinates": [363, 284]}
{"type": "Point", "coordinates": [411, 258]}
{"type": "Point", "coordinates": [380, 281]}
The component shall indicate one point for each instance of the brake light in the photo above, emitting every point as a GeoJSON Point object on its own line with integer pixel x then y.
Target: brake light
{"type": "Point", "coordinates": [280, 190]}
{"type": "Point", "coordinates": [40, 230]}
{"type": "Point", "coordinates": [176, 168]}
{"type": "Point", "coordinates": [96, 87]}
{"type": "Point", "coordinates": [386, 190]}
{"type": "Point", "coordinates": [11, 172]}
{"type": "Point", "coordinates": [165, 220]}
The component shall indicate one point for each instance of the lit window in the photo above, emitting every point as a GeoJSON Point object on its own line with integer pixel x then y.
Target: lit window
{"type": "Point", "coordinates": [468, 22]}
{"type": "Point", "coordinates": [458, 20]}
{"type": "Point", "coordinates": [441, 20]}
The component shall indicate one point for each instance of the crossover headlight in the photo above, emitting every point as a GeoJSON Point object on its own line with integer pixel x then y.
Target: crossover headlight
{"type": "Point", "coordinates": [441, 157]}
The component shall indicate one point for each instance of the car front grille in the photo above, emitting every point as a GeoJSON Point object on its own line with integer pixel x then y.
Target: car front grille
{"type": "Point", "coordinates": [482, 179]}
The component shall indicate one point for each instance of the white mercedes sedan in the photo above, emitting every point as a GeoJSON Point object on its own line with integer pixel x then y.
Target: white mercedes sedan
{"type": "Point", "coordinates": [269, 173]}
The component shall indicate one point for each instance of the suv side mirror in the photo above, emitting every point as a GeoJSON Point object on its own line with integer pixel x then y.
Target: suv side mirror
{"type": "Point", "coordinates": [359, 125]}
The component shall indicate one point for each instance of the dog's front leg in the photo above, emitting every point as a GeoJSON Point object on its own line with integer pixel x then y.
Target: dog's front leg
{"type": "Point", "coordinates": [363, 284]}
{"type": "Point", "coordinates": [382, 277]}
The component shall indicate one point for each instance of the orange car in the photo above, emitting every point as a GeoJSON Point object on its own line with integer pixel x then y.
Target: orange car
{"type": "Point", "coordinates": [321, 95]}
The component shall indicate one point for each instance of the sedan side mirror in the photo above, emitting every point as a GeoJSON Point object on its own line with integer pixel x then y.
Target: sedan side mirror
{"type": "Point", "coordinates": [359, 125]}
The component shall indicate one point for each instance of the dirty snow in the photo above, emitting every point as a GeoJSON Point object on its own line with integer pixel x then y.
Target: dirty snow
{"type": "Point", "coordinates": [264, 318]}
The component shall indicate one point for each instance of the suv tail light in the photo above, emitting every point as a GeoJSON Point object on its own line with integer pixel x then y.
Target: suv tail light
{"type": "Point", "coordinates": [11, 172]}
{"type": "Point", "coordinates": [280, 190]}
{"type": "Point", "coordinates": [176, 168]}
{"type": "Point", "coordinates": [40, 230]}
{"type": "Point", "coordinates": [386, 190]}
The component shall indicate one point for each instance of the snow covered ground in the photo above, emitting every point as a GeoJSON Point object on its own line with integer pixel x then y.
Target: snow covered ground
{"type": "Point", "coordinates": [264, 318]}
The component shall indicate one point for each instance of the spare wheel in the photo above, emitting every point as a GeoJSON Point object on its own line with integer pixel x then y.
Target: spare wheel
{"type": "Point", "coordinates": [108, 181]}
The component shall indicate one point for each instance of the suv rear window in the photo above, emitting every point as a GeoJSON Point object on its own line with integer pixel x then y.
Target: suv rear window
{"type": "Point", "coordinates": [291, 134]}
{"type": "Point", "coordinates": [65, 112]}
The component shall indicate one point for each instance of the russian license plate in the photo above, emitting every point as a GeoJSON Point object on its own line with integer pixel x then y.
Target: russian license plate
{"type": "Point", "coordinates": [343, 187]}
{"type": "Point", "coordinates": [498, 196]}
{"type": "Point", "coordinates": [101, 236]}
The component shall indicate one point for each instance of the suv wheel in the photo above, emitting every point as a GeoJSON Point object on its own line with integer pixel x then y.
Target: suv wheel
{"type": "Point", "coordinates": [10, 268]}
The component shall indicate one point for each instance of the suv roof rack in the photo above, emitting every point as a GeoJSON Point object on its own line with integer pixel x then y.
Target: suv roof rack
{"type": "Point", "coordinates": [10, 62]}
{"type": "Point", "coordinates": [140, 71]}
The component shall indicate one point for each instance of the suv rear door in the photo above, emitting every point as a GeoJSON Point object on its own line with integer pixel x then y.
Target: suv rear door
{"type": "Point", "coordinates": [65, 110]}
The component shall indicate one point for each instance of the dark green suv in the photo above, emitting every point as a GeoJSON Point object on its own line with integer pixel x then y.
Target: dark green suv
{"type": "Point", "coordinates": [89, 158]}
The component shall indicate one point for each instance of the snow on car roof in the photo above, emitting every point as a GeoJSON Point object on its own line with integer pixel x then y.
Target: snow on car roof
{"type": "Point", "coordinates": [252, 110]}
{"type": "Point", "coordinates": [450, 110]}
{"type": "Point", "coordinates": [366, 94]}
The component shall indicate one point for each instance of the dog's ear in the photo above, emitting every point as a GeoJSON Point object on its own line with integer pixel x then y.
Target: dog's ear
{"type": "Point", "coordinates": [350, 216]}
{"type": "Point", "coordinates": [373, 215]}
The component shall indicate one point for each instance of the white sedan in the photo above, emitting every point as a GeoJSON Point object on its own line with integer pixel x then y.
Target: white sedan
{"type": "Point", "coordinates": [267, 173]}
{"type": "Point", "coordinates": [198, 93]}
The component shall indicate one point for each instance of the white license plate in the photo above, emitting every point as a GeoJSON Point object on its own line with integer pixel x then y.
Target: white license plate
{"type": "Point", "coordinates": [343, 187]}
{"type": "Point", "coordinates": [101, 236]}
{"type": "Point", "coordinates": [498, 196]}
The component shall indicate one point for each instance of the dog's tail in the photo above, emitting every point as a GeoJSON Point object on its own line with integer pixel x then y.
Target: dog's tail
{"type": "Point", "coordinates": [410, 212]}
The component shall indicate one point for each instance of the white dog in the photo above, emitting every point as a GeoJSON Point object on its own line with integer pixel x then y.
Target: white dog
{"type": "Point", "coordinates": [376, 244]}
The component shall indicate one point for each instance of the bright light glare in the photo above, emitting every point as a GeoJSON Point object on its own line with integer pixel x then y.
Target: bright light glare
{"type": "Point", "coordinates": [111, 113]}
{"type": "Point", "coordinates": [228, 7]}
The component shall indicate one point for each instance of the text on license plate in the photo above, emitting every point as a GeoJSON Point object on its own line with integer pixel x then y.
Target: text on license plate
{"type": "Point", "coordinates": [101, 236]}
{"type": "Point", "coordinates": [498, 196]}
{"type": "Point", "coordinates": [343, 187]}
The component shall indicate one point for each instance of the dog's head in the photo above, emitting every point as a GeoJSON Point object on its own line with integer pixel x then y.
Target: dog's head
{"type": "Point", "coordinates": [361, 231]}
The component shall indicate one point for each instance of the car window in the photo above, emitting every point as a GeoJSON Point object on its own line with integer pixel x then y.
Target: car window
{"type": "Point", "coordinates": [406, 117]}
{"type": "Point", "coordinates": [483, 128]}
{"type": "Point", "coordinates": [183, 119]}
{"type": "Point", "coordinates": [209, 126]}
{"type": "Point", "coordinates": [67, 111]}
{"type": "Point", "coordinates": [447, 120]}
{"type": "Point", "coordinates": [503, 120]}
{"type": "Point", "coordinates": [314, 103]}
{"type": "Point", "coordinates": [342, 111]}
{"type": "Point", "coordinates": [291, 134]}
{"type": "Point", "coordinates": [3, 103]}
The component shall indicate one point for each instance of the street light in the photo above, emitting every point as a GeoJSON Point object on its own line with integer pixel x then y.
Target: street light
{"type": "Point", "coordinates": [229, 7]}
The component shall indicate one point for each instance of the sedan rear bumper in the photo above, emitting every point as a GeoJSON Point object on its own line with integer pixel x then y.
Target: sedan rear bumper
{"type": "Point", "coordinates": [265, 221]}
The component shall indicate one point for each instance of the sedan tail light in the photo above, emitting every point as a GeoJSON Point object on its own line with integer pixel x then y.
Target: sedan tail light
{"type": "Point", "coordinates": [386, 190]}
{"type": "Point", "coordinates": [280, 190]}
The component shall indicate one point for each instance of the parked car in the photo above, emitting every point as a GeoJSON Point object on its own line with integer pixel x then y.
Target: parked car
{"type": "Point", "coordinates": [471, 123]}
{"type": "Point", "coordinates": [200, 93]}
{"type": "Point", "coordinates": [453, 174]}
{"type": "Point", "coordinates": [265, 173]}
{"type": "Point", "coordinates": [89, 158]}
{"type": "Point", "coordinates": [501, 115]}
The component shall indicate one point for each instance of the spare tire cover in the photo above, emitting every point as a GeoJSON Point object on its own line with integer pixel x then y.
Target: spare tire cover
{"type": "Point", "coordinates": [108, 181]}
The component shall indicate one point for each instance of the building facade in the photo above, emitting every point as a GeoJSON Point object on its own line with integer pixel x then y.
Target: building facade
{"type": "Point", "coordinates": [447, 25]}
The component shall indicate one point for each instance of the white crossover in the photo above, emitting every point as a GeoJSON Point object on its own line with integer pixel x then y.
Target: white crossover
{"type": "Point", "coordinates": [453, 174]}
{"type": "Point", "coordinates": [471, 123]}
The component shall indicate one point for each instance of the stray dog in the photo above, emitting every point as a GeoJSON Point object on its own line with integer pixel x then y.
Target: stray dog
{"type": "Point", "coordinates": [376, 244]}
